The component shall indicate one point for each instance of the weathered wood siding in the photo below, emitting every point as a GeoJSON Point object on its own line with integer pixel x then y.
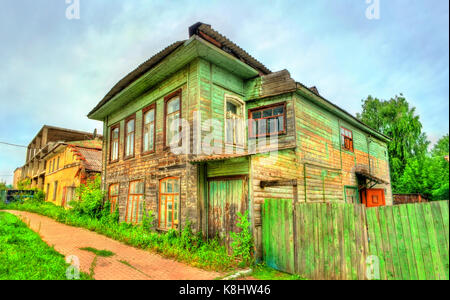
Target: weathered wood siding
{"type": "Point", "coordinates": [329, 168]}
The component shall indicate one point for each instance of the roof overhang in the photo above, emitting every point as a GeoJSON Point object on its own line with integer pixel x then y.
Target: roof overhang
{"type": "Point", "coordinates": [191, 49]}
{"type": "Point", "coordinates": [362, 171]}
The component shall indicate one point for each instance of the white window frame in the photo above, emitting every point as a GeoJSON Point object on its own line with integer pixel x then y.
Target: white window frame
{"type": "Point", "coordinates": [241, 105]}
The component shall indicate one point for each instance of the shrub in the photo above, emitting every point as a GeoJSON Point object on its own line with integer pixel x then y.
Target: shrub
{"type": "Point", "coordinates": [242, 242]}
{"type": "Point", "coordinates": [90, 198]}
{"type": "Point", "coordinates": [148, 220]}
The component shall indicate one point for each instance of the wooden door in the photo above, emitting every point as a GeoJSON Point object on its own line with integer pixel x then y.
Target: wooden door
{"type": "Point", "coordinates": [373, 197]}
{"type": "Point", "coordinates": [226, 197]}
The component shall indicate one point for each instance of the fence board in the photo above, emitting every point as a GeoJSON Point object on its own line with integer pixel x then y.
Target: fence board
{"type": "Point", "coordinates": [332, 241]}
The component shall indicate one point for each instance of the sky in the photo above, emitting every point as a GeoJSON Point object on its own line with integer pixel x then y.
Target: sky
{"type": "Point", "coordinates": [54, 70]}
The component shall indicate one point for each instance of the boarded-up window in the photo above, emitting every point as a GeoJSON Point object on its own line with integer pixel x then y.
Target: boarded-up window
{"type": "Point", "coordinates": [234, 124]}
{"type": "Point", "coordinates": [135, 202]}
{"type": "Point", "coordinates": [268, 120]}
{"type": "Point", "coordinates": [169, 197]}
{"type": "Point", "coordinates": [172, 121]}
{"type": "Point", "coordinates": [129, 137]}
{"type": "Point", "coordinates": [114, 143]}
{"type": "Point", "coordinates": [148, 137]}
{"type": "Point", "coordinates": [113, 196]}
{"type": "Point", "coordinates": [346, 139]}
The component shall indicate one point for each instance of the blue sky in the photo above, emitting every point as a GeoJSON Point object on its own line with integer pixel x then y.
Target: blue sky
{"type": "Point", "coordinates": [54, 70]}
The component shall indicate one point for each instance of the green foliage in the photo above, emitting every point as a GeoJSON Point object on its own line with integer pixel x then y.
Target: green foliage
{"type": "Point", "coordinates": [263, 272]}
{"type": "Point", "coordinates": [184, 246]}
{"type": "Point", "coordinates": [148, 220]}
{"type": "Point", "coordinates": [24, 256]}
{"type": "Point", "coordinates": [102, 253]}
{"type": "Point", "coordinates": [396, 119]}
{"type": "Point", "coordinates": [413, 169]}
{"type": "Point", "coordinates": [3, 186]}
{"type": "Point", "coordinates": [90, 198]}
{"type": "Point", "coordinates": [242, 242]}
{"type": "Point", "coordinates": [24, 184]}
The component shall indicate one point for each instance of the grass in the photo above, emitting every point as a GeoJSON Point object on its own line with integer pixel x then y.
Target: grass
{"type": "Point", "coordinates": [263, 272]}
{"type": "Point", "coordinates": [102, 253]}
{"type": "Point", "coordinates": [24, 256]}
{"type": "Point", "coordinates": [185, 246]}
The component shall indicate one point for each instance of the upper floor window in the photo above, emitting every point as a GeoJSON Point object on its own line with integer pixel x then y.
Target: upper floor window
{"type": "Point", "coordinates": [346, 139]}
{"type": "Point", "coordinates": [234, 122]}
{"type": "Point", "coordinates": [57, 164]}
{"type": "Point", "coordinates": [135, 202]}
{"type": "Point", "coordinates": [267, 120]}
{"type": "Point", "coordinates": [113, 196]}
{"type": "Point", "coordinates": [169, 197]}
{"type": "Point", "coordinates": [172, 117]}
{"type": "Point", "coordinates": [114, 143]}
{"type": "Point", "coordinates": [148, 136]}
{"type": "Point", "coordinates": [129, 136]}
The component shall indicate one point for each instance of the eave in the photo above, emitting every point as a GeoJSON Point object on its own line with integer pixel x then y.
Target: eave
{"type": "Point", "coordinates": [193, 48]}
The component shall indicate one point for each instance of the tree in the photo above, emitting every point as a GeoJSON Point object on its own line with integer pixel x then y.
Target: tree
{"type": "Point", "coordinates": [397, 120]}
{"type": "Point", "coordinates": [442, 147]}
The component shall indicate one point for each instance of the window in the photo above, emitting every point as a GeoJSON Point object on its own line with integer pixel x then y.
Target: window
{"type": "Point", "coordinates": [148, 136]}
{"type": "Point", "coordinates": [48, 191]}
{"type": "Point", "coordinates": [172, 116]}
{"type": "Point", "coordinates": [55, 190]}
{"type": "Point", "coordinates": [57, 164]}
{"type": "Point", "coordinates": [113, 196]}
{"type": "Point", "coordinates": [53, 165]}
{"type": "Point", "coordinates": [169, 197]}
{"type": "Point", "coordinates": [267, 120]}
{"type": "Point", "coordinates": [234, 124]}
{"type": "Point", "coordinates": [135, 202]}
{"type": "Point", "coordinates": [129, 137]}
{"type": "Point", "coordinates": [114, 143]}
{"type": "Point", "coordinates": [351, 194]}
{"type": "Point", "coordinates": [346, 139]}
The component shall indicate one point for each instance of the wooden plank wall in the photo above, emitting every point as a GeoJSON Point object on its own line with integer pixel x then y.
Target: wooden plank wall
{"type": "Point", "coordinates": [411, 240]}
{"type": "Point", "coordinates": [334, 240]}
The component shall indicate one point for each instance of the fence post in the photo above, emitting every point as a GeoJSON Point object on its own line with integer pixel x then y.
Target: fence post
{"type": "Point", "coordinates": [294, 225]}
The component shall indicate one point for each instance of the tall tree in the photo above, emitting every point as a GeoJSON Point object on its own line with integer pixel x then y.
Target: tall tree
{"type": "Point", "coordinates": [396, 119]}
{"type": "Point", "coordinates": [441, 148]}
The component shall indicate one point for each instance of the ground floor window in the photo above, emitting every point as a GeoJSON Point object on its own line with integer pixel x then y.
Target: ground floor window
{"type": "Point", "coordinates": [351, 194]}
{"type": "Point", "coordinates": [113, 196]}
{"type": "Point", "coordinates": [169, 197]}
{"type": "Point", "coordinates": [135, 202]}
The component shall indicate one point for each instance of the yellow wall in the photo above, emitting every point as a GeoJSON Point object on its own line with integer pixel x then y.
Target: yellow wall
{"type": "Point", "coordinates": [64, 173]}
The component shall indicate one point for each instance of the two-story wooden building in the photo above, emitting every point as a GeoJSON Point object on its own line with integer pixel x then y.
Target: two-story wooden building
{"type": "Point", "coordinates": [247, 134]}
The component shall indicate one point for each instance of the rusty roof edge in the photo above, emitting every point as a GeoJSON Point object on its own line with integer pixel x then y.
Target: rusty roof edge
{"type": "Point", "coordinates": [313, 96]}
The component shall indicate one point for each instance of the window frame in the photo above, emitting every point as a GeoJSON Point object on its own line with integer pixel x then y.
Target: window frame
{"type": "Point", "coordinates": [113, 206]}
{"type": "Point", "coordinates": [343, 137]}
{"type": "Point", "coordinates": [55, 189]}
{"type": "Point", "coordinates": [177, 93]}
{"type": "Point", "coordinates": [115, 126]}
{"type": "Point", "coordinates": [241, 106]}
{"type": "Point", "coordinates": [127, 120]}
{"type": "Point", "coordinates": [355, 188]}
{"type": "Point", "coordinates": [261, 109]}
{"type": "Point", "coordinates": [160, 193]}
{"type": "Point", "coordinates": [137, 202]}
{"type": "Point", "coordinates": [144, 111]}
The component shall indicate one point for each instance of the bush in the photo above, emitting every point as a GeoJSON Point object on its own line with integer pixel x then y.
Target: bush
{"type": "Point", "coordinates": [90, 198]}
{"type": "Point", "coordinates": [242, 242]}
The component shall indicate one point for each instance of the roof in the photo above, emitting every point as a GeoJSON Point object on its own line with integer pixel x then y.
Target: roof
{"type": "Point", "coordinates": [363, 171]}
{"type": "Point", "coordinates": [92, 158]}
{"type": "Point", "coordinates": [93, 144]}
{"type": "Point", "coordinates": [138, 72]}
{"type": "Point", "coordinates": [205, 31]}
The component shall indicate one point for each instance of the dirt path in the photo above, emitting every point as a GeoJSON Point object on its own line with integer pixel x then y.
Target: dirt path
{"type": "Point", "coordinates": [127, 263]}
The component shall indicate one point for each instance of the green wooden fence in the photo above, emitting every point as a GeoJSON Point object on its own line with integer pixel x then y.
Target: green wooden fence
{"type": "Point", "coordinates": [333, 241]}
{"type": "Point", "coordinates": [410, 240]}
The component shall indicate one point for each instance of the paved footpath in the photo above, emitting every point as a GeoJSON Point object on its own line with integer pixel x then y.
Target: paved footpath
{"type": "Point", "coordinates": [68, 240]}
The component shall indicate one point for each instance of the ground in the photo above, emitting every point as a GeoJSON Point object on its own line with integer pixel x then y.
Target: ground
{"type": "Point", "coordinates": [125, 262]}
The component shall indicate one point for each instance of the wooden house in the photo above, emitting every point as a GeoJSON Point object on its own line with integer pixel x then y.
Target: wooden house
{"type": "Point", "coordinates": [68, 165]}
{"type": "Point", "coordinates": [245, 134]}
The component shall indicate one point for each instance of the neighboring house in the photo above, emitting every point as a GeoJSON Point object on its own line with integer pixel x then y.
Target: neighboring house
{"type": "Point", "coordinates": [409, 198]}
{"type": "Point", "coordinates": [17, 177]}
{"type": "Point", "coordinates": [70, 164]}
{"type": "Point", "coordinates": [298, 145]}
{"type": "Point", "coordinates": [47, 137]}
